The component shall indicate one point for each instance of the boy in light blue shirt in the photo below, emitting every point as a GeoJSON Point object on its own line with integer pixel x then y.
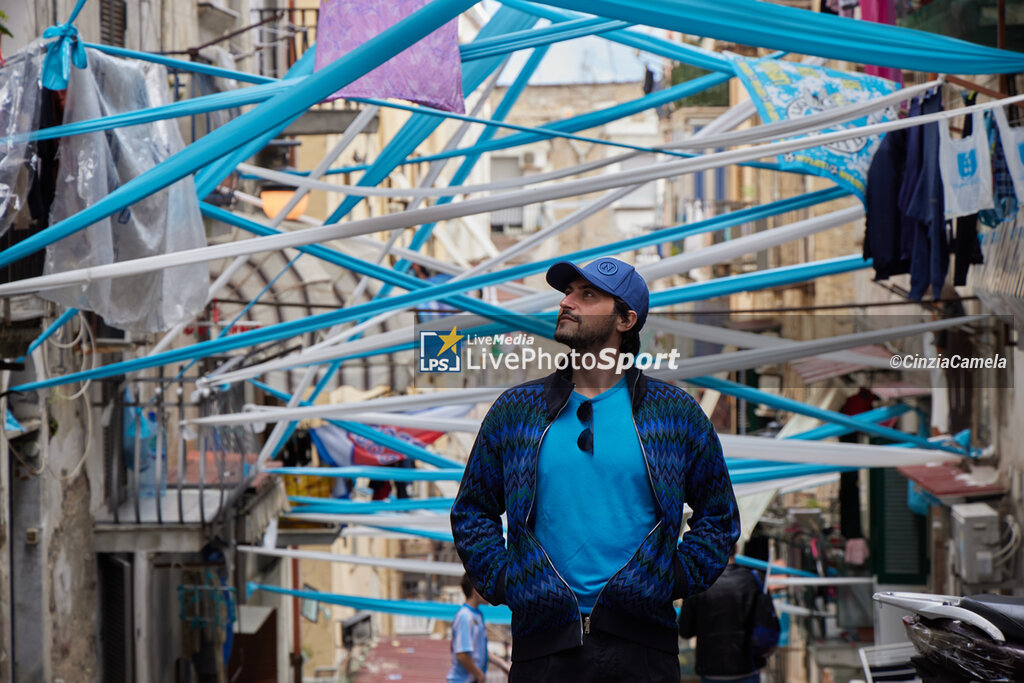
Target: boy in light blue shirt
{"type": "Point", "coordinates": [469, 639]}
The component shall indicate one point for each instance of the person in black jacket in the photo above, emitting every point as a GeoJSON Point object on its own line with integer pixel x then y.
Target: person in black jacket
{"type": "Point", "coordinates": [735, 625]}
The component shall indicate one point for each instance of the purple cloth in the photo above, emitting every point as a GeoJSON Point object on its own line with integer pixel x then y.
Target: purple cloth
{"type": "Point", "coordinates": [428, 72]}
{"type": "Point", "coordinates": [880, 12]}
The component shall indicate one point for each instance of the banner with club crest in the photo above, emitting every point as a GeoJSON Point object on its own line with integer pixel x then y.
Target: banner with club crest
{"type": "Point", "coordinates": [784, 90]}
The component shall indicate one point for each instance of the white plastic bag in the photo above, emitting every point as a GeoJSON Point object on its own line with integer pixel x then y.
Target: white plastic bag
{"type": "Point", "coordinates": [966, 167]}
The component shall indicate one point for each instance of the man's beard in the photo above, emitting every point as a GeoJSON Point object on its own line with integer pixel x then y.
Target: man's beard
{"type": "Point", "coordinates": [589, 333]}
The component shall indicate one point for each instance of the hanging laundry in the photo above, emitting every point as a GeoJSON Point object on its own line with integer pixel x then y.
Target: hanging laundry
{"type": "Point", "coordinates": [783, 90]}
{"type": "Point", "coordinates": [883, 220]}
{"type": "Point", "coordinates": [911, 176]}
{"type": "Point", "coordinates": [966, 250]}
{"type": "Point", "coordinates": [966, 169]}
{"type": "Point", "coordinates": [1012, 142]}
{"type": "Point", "coordinates": [428, 72]}
{"type": "Point", "coordinates": [929, 258]}
{"type": "Point", "coordinates": [1004, 195]}
{"type": "Point", "coordinates": [21, 93]}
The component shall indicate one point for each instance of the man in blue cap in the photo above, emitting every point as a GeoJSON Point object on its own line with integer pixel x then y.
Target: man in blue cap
{"type": "Point", "coordinates": [591, 466]}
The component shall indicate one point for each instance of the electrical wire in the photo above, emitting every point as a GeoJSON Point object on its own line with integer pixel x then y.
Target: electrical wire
{"type": "Point", "coordinates": [1006, 553]}
{"type": "Point", "coordinates": [83, 335]}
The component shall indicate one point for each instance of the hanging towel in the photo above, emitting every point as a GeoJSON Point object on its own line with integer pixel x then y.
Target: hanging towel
{"type": "Point", "coordinates": [428, 72]}
{"type": "Point", "coordinates": [966, 168]}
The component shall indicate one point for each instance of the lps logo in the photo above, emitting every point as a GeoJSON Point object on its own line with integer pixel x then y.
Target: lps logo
{"type": "Point", "coordinates": [441, 352]}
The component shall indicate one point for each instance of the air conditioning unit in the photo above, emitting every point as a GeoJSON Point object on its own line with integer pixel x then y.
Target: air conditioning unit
{"type": "Point", "coordinates": [535, 159]}
{"type": "Point", "coordinates": [975, 539]}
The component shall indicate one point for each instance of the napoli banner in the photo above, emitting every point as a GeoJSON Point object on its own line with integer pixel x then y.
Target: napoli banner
{"type": "Point", "coordinates": [784, 90]}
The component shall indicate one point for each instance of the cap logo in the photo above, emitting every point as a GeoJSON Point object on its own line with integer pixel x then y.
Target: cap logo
{"type": "Point", "coordinates": [607, 267]}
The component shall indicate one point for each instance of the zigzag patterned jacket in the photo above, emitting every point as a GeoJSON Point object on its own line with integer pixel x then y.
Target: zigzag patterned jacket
{"type": "Point", "coordinates": [685, 463]}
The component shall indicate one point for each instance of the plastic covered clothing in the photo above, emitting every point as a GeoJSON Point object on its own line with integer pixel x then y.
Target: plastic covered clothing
{"type": "Point", "coordinates": [95, 164]}
{"type": "Point", "coordinates": [20, 96]}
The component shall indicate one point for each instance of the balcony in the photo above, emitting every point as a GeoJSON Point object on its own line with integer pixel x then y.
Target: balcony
{"type": "Point", "coordinates": [166, 487]}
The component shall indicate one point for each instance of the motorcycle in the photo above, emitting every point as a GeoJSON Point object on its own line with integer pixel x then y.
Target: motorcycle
{"type": "Point", "coordinates": [963, 639]}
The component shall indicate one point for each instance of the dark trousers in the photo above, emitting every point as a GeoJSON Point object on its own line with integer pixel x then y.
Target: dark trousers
{"type": "Point", "coordinates": [603, 658]}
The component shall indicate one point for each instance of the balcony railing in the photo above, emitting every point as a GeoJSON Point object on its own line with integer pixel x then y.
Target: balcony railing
{"type": "Point", "coordinates": [158, 472]}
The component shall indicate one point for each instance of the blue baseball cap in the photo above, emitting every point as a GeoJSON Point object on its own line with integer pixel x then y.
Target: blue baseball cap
{"type": "Point", "coordinates": [611, 276]}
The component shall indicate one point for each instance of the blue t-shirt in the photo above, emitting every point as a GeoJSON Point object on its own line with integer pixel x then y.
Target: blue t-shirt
{"type": "Point", "coordinates": [468, 635]}
{"type": "Point", "coordinates": [593, 510]}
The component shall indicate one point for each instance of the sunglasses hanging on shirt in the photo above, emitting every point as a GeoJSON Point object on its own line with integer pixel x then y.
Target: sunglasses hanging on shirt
{"type": "Point", "coordinates": [585, 414]}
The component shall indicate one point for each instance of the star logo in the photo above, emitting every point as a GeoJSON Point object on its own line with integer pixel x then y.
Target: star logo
{"type": "Point", "coordinates": [449, 340]}
{"type": "Point", "coordinates": [440, 352]}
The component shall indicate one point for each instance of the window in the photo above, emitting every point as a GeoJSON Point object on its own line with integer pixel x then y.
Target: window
{"type": "Point", "coordinates": [112, 22]}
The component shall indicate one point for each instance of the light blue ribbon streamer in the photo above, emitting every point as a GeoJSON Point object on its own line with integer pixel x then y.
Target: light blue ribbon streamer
{"type": "Point", "coordinates": [763, 24]}
{"type": "Point", "coordinates": [11, 424]}
{"type": "Point", "coordinates": [749, 393]}
{"type": "Point", "coordinates": [237, 132]}
{"type": "Point", "coordinates": [338, 506]}
{"type": "Point", "coordinates": [429, 293]}
{"type": "Point", "coordinates": [873, 416]}
{"type": "Point", "coordinates": [419, 127]}
{"type": "Point", "coordinates": [462, 173]}
{"type": "Point", "coordinates": [371, 472]}
{"type": "Point", "coordinates": [66, 50]}
{"type": "Point", "coordinates": [444, 611]}
{"type": "Point", "coordinates": [752, 563]}
{"type": "Point", "coordinates": [680, 52]}
{"type": "Point", "coordinates": [60, 322]}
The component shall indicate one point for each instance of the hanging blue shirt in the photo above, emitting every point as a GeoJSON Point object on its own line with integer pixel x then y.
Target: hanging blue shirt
{"type": "Point", "coordinates": [593, 510]}
{"type": "Point", "coordinates": [469, 634]}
